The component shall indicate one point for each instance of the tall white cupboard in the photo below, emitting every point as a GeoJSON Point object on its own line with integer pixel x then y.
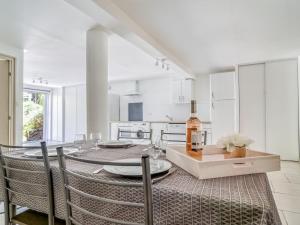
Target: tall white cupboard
{"type": "Point", "coordinates": [269, 106]}
{"type": "Point", "coordinates": [223, 104]}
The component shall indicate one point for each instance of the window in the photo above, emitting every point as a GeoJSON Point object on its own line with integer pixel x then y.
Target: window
{"type": "Point", "coordinates": [35, 115]}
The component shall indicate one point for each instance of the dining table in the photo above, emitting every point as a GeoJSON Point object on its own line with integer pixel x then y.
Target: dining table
{"type": "Point", "coordinates": [178, 199]}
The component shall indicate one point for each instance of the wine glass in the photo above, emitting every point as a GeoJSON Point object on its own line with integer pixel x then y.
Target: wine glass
{"type": "Point", "coordinates": [160, 143]}
{"type": "Point", "coordinates": [157, 143]}
{"type": "Point", "coordinates": [79, 141]}
{"type": "Point", "coordinates": [154, 154]}
{"type": "Point", "coordinates": [96, 139]}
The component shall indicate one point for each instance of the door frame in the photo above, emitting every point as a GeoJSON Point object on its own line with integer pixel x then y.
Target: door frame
{"type": "Point", "coordinates": [11, 96]}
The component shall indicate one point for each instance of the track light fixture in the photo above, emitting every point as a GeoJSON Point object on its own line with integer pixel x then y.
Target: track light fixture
{"type": "Point", "coordinates": [163, 63]}
{"type": "Point", "coordinates": [40, 80]}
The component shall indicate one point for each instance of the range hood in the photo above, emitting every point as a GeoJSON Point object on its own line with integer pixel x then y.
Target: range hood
{"type": "Point", "coordinates": [135, 90]}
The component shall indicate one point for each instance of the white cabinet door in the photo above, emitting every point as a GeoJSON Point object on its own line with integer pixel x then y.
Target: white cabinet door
{"type": "Point", "coordinates": [223, 86]}
{"type": "Point", "coordinates": [187, 90]}
{"type": "Point", "coordinates": [252, 103]}
{"type": "Point", "coordinates": [223, 118]}
{"type": "Point", "coordinates": [182, 91]}
{"type": "Point", "coordinates": [177, 91]}
{"type": "Point", "coordinates": [282, 109]}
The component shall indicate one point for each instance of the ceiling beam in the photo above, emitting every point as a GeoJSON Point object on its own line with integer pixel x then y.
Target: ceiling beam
{"type": "Point", "coordinates": [111, 17]}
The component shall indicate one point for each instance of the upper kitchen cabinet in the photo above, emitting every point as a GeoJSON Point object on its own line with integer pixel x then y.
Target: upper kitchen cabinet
{"type": "Point", "coordinates": [182, 91]}
{"type": "Point", "coordinates": [223, 86]}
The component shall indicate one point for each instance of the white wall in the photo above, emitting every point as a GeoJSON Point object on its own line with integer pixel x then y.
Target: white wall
{"type": "Point", "coordinates": [16, 53]}
{"type": "Point", "coordinates": [156, 95]}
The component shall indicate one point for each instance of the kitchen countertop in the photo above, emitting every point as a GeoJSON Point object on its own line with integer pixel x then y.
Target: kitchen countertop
{"type": "Point", "coordinates": [159, 121]}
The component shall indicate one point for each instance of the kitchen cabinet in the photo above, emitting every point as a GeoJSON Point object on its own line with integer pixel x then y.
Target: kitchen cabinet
{"type": "Point", "coordinates": [269, 106]}
{"type": "Point", "coordinates": [223, 86]}
{"type": "Point", "coordinates": [182, 91]}
{"type": "Point", "coordinates": [223, 104]}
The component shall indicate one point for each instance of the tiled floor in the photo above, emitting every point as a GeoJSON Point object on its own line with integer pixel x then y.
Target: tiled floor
{"type": "Point", "coordinates": [286, 190]}
{"type": "Point", "coordinates": [285, 185]}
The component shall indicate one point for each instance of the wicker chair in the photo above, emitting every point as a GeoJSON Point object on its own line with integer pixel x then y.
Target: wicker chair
{"type": "Point", "coordinates": [84, 201]}
{"type": "Point", "coordinates": [15, 185]}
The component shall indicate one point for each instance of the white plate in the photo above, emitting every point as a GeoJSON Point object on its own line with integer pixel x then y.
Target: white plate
{"type": "Point", "coordinates": [156, 167]}
{"type": "Point", "coordinates": [115, 144]}
{"type": "Point", "coordinates": [51, 152]}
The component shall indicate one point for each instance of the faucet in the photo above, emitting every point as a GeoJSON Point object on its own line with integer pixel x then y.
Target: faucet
{"type": "Point", "coordinates": [169, 117]}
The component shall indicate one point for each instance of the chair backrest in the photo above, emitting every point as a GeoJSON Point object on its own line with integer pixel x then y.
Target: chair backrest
{"type": "Point", "coordinates": [164, 136]}
{"type": "Point", "coordinates": [20, 175]}
{"type": "Point", "coordinates": [96, 193]}
{"type": "Point", "coordinates": [135, 135]}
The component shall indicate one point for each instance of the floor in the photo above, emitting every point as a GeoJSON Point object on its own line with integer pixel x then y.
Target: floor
{"type": "Point", "coordinates": [285, 185]}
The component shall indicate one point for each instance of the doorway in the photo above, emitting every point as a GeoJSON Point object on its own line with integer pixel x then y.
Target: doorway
{"type": "Point", "coordinates": [6, 99]}
{"type": "Point", "coordinates": [35, 114]}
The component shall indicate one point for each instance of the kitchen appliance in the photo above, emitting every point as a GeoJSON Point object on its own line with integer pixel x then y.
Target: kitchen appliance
{"type": "Point", "coordinates": [135, 111]}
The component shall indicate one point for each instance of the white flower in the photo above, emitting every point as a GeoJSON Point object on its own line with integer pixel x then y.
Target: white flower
{"type": "Point", "coordinates": [234, 140]}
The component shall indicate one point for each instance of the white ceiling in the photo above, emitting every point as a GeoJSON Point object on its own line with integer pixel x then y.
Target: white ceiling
{"type": "Point", "coordinates": [128, 62]}
{"type": "Point", "coordinates": [52, 32]}
{"type": "Point", "coordinates": [200, 36]}
{"type": "Point", "coordinates": [213, 35]}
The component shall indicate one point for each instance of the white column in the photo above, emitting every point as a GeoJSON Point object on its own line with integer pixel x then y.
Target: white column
{"type": "Point", "coordinates": [97, 81]}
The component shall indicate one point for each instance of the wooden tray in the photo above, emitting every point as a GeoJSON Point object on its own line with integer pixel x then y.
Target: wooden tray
{"type": "Point", "coordinates": [216, 162]}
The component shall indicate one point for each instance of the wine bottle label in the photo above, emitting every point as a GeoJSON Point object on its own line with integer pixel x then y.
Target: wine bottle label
{"type": "Point", "coordinates": [196, 139]}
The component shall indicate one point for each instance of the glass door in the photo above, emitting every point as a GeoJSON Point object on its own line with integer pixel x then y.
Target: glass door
{"type": "Point", "coordinates": [35, 115]}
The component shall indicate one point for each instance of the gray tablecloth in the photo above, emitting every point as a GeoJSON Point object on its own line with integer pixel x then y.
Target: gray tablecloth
{"type": "Point", "coordinates": [178, 199]}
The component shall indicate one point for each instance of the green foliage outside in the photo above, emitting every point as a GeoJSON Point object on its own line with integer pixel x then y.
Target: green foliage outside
{"type": "Point", "coordinates": [33, 107]}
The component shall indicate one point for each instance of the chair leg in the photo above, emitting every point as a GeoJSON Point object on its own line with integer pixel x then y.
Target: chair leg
{"type": "Point", "coordinates": [7, 218]}
{"type": "Point", "coordinates": [6, 213]}
{"type": "Point", "coordinates": [12, 210]}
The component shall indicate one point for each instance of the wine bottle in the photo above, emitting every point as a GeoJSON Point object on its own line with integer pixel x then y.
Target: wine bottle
{"type": "Point", "coordinates": [193, 129]}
